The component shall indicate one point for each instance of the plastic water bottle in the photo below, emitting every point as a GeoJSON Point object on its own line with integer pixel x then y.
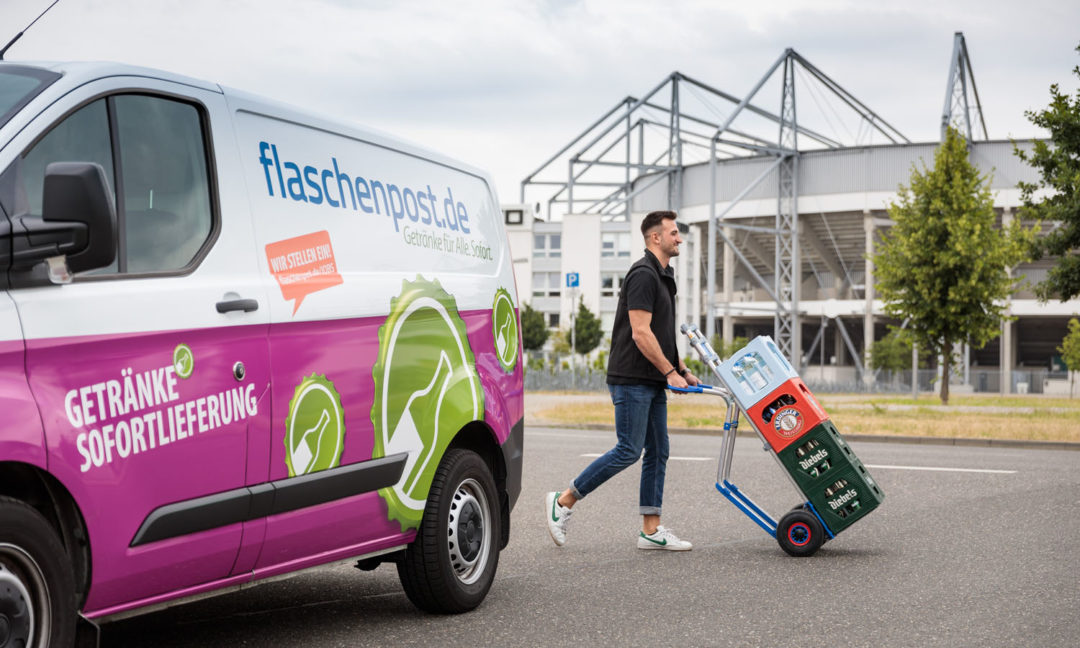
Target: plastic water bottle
{"type": "Point", "coordinates": [753, 371]}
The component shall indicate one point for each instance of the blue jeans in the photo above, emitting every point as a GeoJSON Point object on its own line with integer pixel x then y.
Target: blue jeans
{"type": "Point", "coordinates": [640, 424]}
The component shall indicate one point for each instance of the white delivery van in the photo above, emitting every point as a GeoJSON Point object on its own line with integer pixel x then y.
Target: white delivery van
{"type": "Point", "coordinates": [237, 341]}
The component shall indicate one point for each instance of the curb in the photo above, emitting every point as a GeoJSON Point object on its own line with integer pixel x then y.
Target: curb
{"type": "Point", "coordinates": [873, 438]}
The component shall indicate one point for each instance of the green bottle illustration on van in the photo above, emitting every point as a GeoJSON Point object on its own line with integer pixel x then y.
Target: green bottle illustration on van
{"type": "Point", "coordinates": [183, 361]}
{"type": "Point", "coordinates": [426, 389]}
{"type": "Point", "coordinates": [504, 328]}
{"type": "Point", "coordinates": [314, 428]}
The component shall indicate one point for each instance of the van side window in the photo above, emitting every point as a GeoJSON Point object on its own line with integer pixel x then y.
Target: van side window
{"type": "Point", "coordinates": [155, 159]}
{"type": "Point", "coordinates": [164, 182]}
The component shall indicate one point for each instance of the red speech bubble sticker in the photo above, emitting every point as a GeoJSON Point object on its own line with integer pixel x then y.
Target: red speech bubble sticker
{"type": "Point", "coordinates": [303, 265]}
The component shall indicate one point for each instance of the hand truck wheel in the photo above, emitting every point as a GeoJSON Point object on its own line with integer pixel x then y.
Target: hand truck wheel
{"type": "Point", "coordinates": [800, 533]}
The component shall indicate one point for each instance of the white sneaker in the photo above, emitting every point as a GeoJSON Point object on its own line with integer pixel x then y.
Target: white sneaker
{"type": "Point", "coordinates": [557, 516]}
{"type": "Point", "coordinates": [662, 539]}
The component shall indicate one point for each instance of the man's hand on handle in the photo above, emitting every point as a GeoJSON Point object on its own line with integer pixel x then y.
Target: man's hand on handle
{"type": "Point", "coordinates": [675, 379]}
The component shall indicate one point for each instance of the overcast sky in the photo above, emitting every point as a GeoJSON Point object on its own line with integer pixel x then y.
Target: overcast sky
{"type": "Point", "coordinates": [503, 84]}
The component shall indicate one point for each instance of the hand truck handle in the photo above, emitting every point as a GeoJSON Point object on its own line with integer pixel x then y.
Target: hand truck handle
{"type": "Point", "coordinates": [696, 389]}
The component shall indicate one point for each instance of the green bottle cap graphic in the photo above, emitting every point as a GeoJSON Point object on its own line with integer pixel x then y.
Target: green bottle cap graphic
{"type": "Point", "coordinates": [504, 328]}
{"type": "Point", "coordinates": [426, 389]}
{"type": "Point", "coordinates": [314, 428]}
{"type": "Point", "coordinates": [183, 361]}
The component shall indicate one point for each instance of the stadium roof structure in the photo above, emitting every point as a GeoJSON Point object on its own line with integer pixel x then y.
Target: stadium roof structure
{"type": "Point", "coordinates": [642, 144]}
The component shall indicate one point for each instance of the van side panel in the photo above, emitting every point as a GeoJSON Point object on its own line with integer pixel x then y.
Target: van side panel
{"type": "Point", "coordinates": [122, 464]}
{"type": "Point", "coordinates": [146, 414]}
{"type": "Point", "coordinates": [311, 359]}
{"type": "Point", "coordinates": [21, 436]}
{"type": "Point", "coordinates": [383, 263]}
{"type": "Point", "coordinates": [504, 396]}
{"type": "Point", "coordinates": [341, 221]}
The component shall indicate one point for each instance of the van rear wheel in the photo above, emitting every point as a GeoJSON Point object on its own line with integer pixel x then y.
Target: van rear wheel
{"type": "Point", "coordinates": [451, 564]}
{"type": "Point", "coordinates": [37, 590]}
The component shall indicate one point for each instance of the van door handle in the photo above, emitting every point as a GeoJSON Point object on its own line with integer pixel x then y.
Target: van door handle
{"type": "Point", "coordinates": [229, 305]}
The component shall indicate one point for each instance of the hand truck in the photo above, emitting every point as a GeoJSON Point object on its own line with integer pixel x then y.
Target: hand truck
{"type": "Point", "coordinates": [759, 382]}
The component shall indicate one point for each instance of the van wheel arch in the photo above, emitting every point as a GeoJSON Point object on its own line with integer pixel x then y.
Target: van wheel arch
{"type": "Point", "coordinates": [49, 497]}
{"type": "Point", "coordinates": [480, 438]}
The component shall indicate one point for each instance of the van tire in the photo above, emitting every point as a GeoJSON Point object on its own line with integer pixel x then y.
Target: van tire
{"type": "Point", "coordinates": [450, 565]}
{"type": "Point", "coordinates": [35, 578]}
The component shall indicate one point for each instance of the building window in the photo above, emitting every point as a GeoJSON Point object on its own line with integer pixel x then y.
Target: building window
{"type": "Point", "coordinates": [513, 216]}
{"type": "Point", "coordinates": [611, 284]}
{"type": "Point", "coordinates": [553, 320]}
{"type": "Point", "coordinates": [615, 245]}
{"type": "Point", "coordinates": [546, 284]}
{"type": "Point", "coordinates": [547, 245]}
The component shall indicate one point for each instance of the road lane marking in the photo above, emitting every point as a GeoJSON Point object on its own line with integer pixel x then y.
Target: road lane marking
{"type": "Point", "coordinates": [965, 470]}
{"type": "Point", "coordinates": [593, 455]}
{"type": "Point", "coordinates": [572, 435]}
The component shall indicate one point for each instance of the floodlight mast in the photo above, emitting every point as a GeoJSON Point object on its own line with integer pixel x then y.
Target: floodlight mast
{"type": "Point", "coordinates": [958, 109]}
{"type": "Point", "coordinates": [787, 265]}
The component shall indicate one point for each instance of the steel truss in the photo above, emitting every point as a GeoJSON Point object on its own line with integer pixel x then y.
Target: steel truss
{"type": "Point", "coordinates": [958, 105]}
{"type": "Point", "coordinates": [642, 141]}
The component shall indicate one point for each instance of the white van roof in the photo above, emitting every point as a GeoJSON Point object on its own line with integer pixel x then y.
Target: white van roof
{"type": "Point", "coordinates": [76, 73]}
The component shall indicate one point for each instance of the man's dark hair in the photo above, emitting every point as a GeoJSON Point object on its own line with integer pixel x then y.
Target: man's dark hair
{"type": "Point", "coordinates": [652, 219]}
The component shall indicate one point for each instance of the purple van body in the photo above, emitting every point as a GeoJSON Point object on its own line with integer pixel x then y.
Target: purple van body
{"type": "Point", "coordinates": [116, 498]}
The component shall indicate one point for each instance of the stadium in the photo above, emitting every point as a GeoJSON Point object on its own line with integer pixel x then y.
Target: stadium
{"type": "Point", "coordinates": [782, 203]}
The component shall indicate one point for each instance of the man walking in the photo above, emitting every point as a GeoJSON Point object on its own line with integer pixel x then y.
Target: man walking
{"type": "Point", "coordinates": [643, 361]}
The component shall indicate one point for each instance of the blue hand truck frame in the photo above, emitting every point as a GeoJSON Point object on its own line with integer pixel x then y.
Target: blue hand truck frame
{"type": "Point", "coordinates": [727, 450]}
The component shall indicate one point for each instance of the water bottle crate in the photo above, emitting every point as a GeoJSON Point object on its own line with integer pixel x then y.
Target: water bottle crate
{"type": "Point", "coordinates": [786, 414]}
{"type": "Point", "coordinates": [755, 371]}
{"type": "Point", "coordinates": [846, 497]}
{"type": "Point", "coordinates": [817, 455]}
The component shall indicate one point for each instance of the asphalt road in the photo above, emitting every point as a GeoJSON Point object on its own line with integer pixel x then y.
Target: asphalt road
{"type": "Point", "coordinates": [953, 557]}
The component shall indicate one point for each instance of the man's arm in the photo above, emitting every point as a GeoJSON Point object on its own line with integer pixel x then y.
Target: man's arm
{"type": "Point", "coordinates": [650, 348]}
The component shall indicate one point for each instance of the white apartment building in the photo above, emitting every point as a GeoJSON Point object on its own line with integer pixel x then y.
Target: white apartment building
{"type": "Point", "coordinates": [599, 251]}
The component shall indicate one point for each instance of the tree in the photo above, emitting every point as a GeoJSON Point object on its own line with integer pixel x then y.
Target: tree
{"type": "Point", "coordinates": [1070, 351]}
{"type": "Point", "coordinates": [1059, 166]}
{"type": "Point", "coordinates": [943, 264]}
{"type": "Point", "coordinates": [725, 351]}
{"type": "Point", "coordinates": [587, 333]}
{"type": "Point", "coordinates": [534, 330]}
{"type": "Point", "coordinates": [892, 352]}
{"type": "Point", "coordinates": [560, 342]}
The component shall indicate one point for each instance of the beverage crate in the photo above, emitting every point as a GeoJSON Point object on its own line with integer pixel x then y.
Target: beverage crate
{"type": "Point", "coordinates": [845, 498]}
{"type": "Point", "coordinates": [786, 414]}
{"type": "Point", "coordinates": [755, 371]}
{"type": "Point", "coordinates": [817, 456]}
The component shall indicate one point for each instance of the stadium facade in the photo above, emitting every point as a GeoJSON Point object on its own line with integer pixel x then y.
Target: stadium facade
{"type": "Point", "coordinates": [793, 225]}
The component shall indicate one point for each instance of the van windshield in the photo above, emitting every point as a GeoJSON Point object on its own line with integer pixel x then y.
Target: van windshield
{"type": "Point", "coordinates": [18, 85]}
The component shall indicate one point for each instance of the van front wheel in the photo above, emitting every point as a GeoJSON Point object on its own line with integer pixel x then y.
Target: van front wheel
{"type": "Point", "coordinates": [450, 565]}
{"type": "Point", "coordinates": [37, 591]}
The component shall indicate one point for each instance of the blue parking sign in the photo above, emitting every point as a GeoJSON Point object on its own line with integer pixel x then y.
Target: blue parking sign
{"type": "Point", "coordinates": [572, 279]}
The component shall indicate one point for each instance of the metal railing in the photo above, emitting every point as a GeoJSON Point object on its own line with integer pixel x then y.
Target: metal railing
{"type": "Point", "coordinates": [555, 375]}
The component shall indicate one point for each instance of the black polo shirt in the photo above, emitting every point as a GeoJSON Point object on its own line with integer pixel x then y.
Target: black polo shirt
{"type": "Point", "coordinates": [651, 288]}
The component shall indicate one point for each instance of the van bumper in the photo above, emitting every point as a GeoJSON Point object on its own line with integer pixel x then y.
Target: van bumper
{"type": "Point", "coordinates": [512, 458]}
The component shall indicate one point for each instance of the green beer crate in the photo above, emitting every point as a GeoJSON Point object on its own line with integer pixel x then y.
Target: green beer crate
{"type": "Point", "coordinates": [817, 456]}
{"type": "Point", "coordinates": [846, 496]}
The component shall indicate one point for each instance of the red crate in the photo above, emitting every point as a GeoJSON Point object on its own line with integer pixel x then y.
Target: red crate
{"type": "Point", "coordinates": [786, 414]}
